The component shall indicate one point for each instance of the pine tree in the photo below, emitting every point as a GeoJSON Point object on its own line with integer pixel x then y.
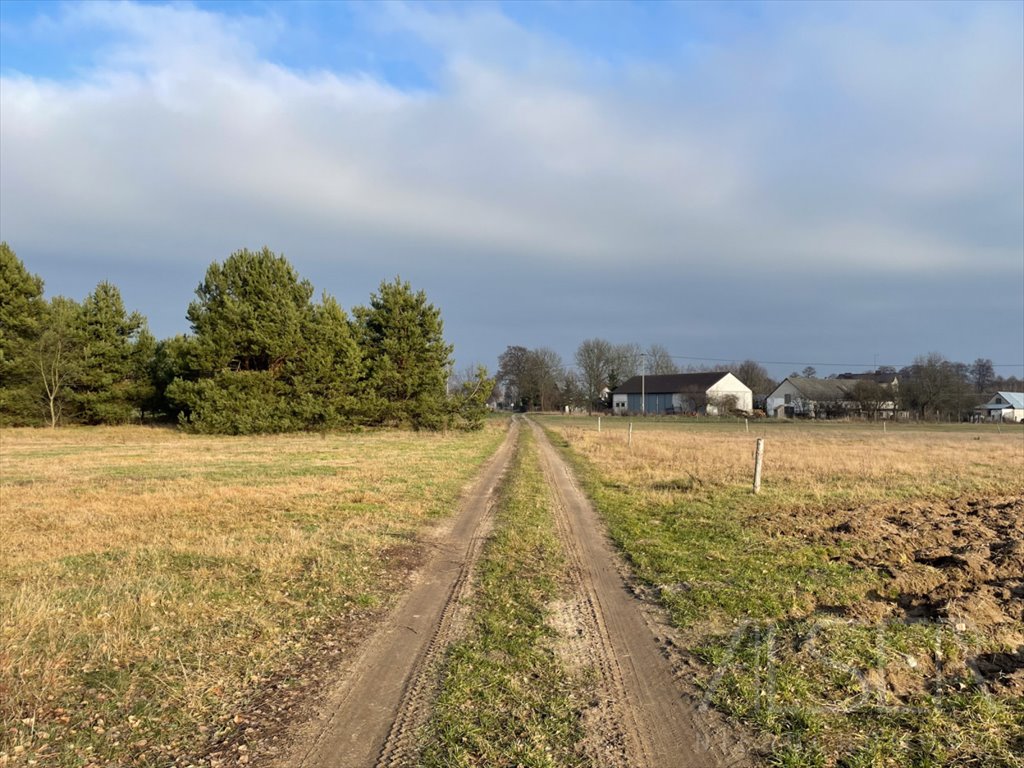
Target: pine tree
{"type": "Point", "coordinates": [250, 313]}
{"type": "Point", "coordinates": [407, 360]}
{"type": "Point", "coordinates": [327, 379]}
{"type": "Point", "coordinates": [22, 310]}
{"type": "Point", "coordinates": [171, 359]}
{"type": "Point", "coordinates": [264, 358]}
{"type": "Point", "coordinates": [111, 383]}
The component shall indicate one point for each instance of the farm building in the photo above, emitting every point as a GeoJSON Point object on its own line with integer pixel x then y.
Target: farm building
{"type": "Point", "coordinates": [1003, 406]}
{"type": "Point", "coordinates": [852, 394]}
{"type": "Point", "coordinates": [708, 393]}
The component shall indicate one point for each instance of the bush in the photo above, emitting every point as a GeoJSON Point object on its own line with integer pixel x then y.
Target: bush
{"type": "Point", "coordinates": [235, 403]}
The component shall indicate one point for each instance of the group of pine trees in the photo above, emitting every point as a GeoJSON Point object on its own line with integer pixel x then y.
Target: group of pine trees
{"type": "Point", "coordinates": [263, 356]}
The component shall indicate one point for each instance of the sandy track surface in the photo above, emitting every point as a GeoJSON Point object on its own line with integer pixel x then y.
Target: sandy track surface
{"type": "Point", "coordinates": [640, 716]}
{"type": "Point", "coordinates": [370, 716]}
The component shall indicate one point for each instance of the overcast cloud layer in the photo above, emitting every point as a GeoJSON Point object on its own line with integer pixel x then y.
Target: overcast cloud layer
{"type": "Point", "coordinates": [806, 183]}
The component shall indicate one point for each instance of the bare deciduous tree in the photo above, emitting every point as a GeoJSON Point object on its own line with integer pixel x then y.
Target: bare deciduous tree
{"type": "Point", "coordinates": [755, 376]}
{"type": "Point", "coordinates": [871, 397]}
{"type": "Point", "coordinates": [627, 362]}
{"type": "Point", "coordinates": [982, 374]}
{"type": "Point", "coordinates": [594, 359]}
{"type": "Point", "coordinates": [57, 354]}
{"type": "Point", "coordinates": [533, 377]}
{"type": "Point", "coordinates": [659, 361]}
{"type": "Point", "coordinates": [925, 386]}
{"type": "Point", "coordinates": [513, 374]}
{"type": "Point", "coordinates": [719, 405]}
{"type": "Point", "coordinates": [546, 373]}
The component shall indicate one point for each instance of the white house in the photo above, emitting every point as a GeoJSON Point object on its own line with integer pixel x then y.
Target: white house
{"type": "Point", "coordinates": [831, 398]}
{"type": "Point", "coordinates": [1003, 406]}
{"type": "Point", "coordinates": [709, 393]}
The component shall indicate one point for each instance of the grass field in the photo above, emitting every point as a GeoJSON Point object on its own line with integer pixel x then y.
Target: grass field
{"type": "Point", "coordinates": [154, 585]}
{"type": "Point", "coordinates": [864, 610]}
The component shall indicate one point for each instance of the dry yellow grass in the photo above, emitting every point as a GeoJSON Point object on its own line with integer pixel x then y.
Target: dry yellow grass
{"type": "Point", "coordinates": [810, 463]}
{"type": "Point", "coordinates": [150, 581]}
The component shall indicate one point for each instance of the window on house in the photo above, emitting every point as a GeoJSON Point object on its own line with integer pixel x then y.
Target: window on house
{"type": "Point", "coordinates": [789, 399]}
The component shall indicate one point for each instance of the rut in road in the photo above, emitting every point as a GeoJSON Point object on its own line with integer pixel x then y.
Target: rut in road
{"type": "Point", "coordinates": [641, 717]}
{"type": "Point", "coordinates": [371, 716]}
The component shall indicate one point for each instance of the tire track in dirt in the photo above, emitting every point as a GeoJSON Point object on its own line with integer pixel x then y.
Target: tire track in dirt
{"type": "Point", "coordinates": [641, 718]}
{"type": "Point", "coordinates": [372, 715]}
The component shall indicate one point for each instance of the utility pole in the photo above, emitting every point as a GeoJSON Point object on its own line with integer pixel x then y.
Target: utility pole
{"type": "Point", "coordinates": [643, 384]}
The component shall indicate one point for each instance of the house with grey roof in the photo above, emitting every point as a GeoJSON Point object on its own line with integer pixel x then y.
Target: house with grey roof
{"type": "Point", "coordinates": [1003, 406]}
{"type": "Point", "coordinates": [853, 395]}
{"type": "Point", "coordinates": [706, 393]}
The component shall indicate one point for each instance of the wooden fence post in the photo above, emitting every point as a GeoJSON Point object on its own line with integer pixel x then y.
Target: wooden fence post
{"type": "Point", "coordinates": [629, 440]}
{"type": "Point", "coordinates": [599, 424]}
{"type": "Point", "coordinates": [758, 458]}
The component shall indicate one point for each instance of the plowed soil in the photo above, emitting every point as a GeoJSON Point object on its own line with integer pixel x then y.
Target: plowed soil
{"type": "Point", "coordinates": [959, 562]}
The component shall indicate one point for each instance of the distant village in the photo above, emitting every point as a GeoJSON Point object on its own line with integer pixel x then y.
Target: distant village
{"type": "Point", "coordinates": [932, 388]}
{"type": "Point", "coordinates": [873, 395]}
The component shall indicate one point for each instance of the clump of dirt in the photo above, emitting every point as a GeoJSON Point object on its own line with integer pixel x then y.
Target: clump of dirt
{"type": "Point", "coordinates": [959, 562]}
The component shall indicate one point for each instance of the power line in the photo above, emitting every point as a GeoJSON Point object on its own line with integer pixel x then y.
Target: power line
{"type": "Point", "coordinates": [823, 365]}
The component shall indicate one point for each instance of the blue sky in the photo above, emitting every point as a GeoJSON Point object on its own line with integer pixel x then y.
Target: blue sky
{"type": "Point", "coordinates": [309, 35]}
{"type": "Point", "coordinates": [786, 182]}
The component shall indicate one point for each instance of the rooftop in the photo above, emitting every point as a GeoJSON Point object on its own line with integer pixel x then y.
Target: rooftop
{"type": "Point", "coordinates": [1014, 399]}
{"type": "Point", "coordinates": [670, 383]}
{"type": "Point", "coordinates": [824, 389]}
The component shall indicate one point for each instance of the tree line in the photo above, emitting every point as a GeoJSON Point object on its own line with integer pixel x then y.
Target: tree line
{"type": "Point", "coordinates": [931, 387]}
{"type": "Point", "coordinates": [263, 356]}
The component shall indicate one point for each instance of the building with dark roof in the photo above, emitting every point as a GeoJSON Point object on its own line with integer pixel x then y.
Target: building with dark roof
{"type": "Point", "coordinates": [707, 393]}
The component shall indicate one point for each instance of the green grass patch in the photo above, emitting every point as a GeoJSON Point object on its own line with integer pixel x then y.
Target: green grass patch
{"type": "Point", "coordinates": [506, 700]}
{"type": "Point", "coordinates": [823, 692]}
{"type": "Point", "coordinates": [709, 564]}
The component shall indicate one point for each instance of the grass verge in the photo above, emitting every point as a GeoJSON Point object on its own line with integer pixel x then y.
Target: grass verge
{"type": "Point", "coordinates": [506, 699]}
{"type": "Point", "coordinates": [774, 593]}
{"type": "Point", "coordinates": [155, 587]}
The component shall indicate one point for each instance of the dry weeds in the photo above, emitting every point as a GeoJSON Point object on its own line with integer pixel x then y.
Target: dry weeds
{"type": "Point", "coordinates": [814, 462]}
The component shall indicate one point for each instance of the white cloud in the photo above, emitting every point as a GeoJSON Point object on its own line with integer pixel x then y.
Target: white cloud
{"type": "Point", "coordinates": [823, 144]}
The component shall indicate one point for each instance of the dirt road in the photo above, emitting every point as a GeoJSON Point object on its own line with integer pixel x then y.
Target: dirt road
{"type": "Point", "coordinates": [642, 717]}
{"type": "Point", "coordinates": [369, 716]}
{"type": "Point", "coordinates": [638, 718]}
